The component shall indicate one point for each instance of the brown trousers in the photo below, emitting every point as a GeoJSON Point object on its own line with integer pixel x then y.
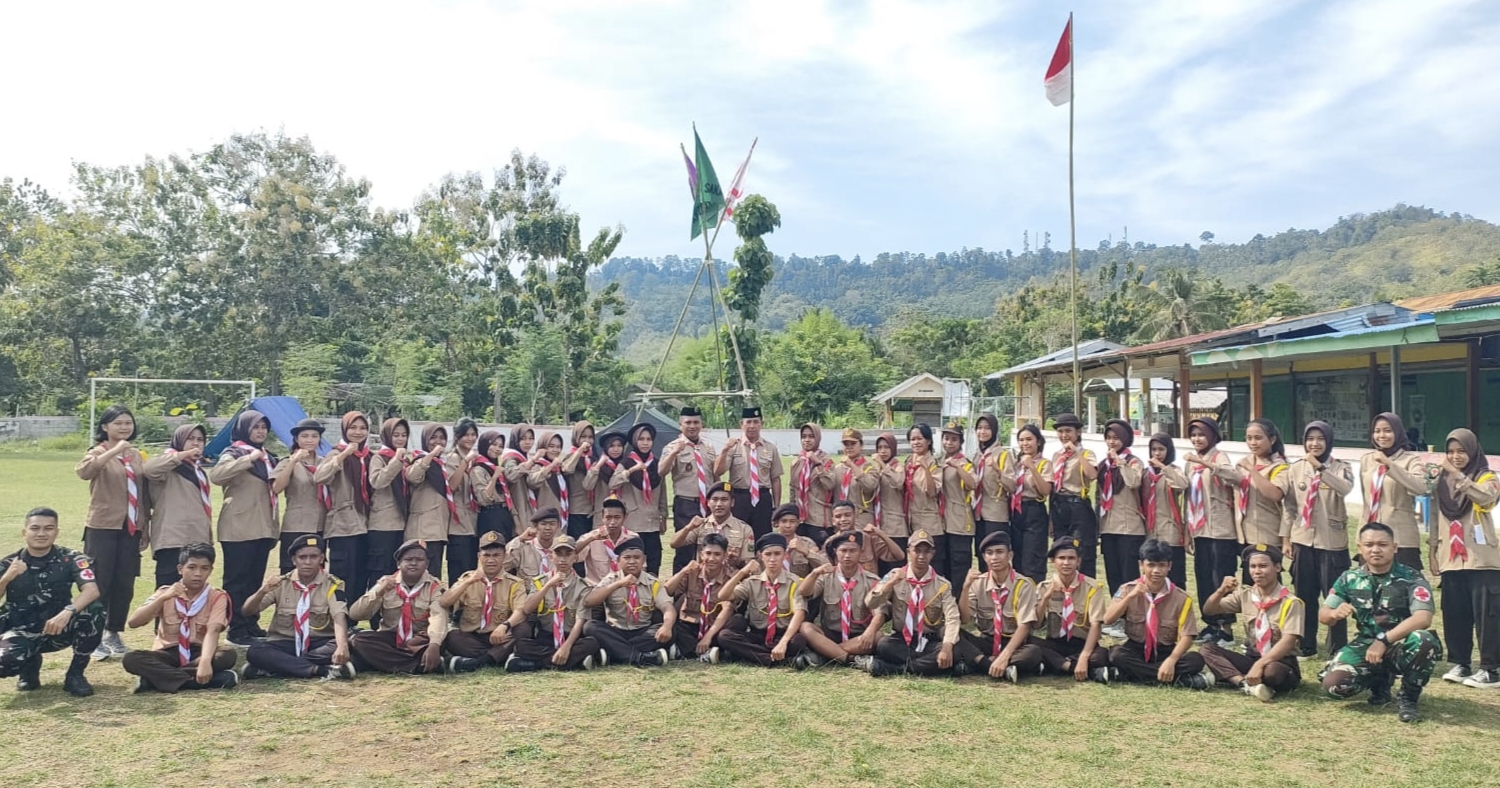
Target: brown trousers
{"type": "Point", "coordinates": [477, 645]}
{"type": "Point", "coordinates": [378, 651]}
{"type": "Point", "coordinates": [1130, 659]}
{"type": "Point", "coordinates": [161, 670]}
{"type": "Point", "coordinates": [1281, 676]}
{"type": "Point", "coordinates": [748, 644]}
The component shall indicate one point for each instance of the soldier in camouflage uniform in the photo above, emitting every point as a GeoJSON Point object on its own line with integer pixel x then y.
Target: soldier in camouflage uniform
{"type": "Point", "coordinates": [1391, 605]}
{"type": "Point", "coordinates": [40, 614]}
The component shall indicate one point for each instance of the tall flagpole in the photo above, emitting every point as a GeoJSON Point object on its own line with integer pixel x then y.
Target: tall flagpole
{"type": "Point", "coordinates": [1073, 223]}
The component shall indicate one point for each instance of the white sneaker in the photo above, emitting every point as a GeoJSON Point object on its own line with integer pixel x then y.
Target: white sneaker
{"type": "Point", "coordinates": [1456, 674]}
{"type": "Point", "coordinates": [101, 653]}
{"type": "Point", "coordinates": [116, 643]}
{"type": "Point", "coordinates": [1115, 630]}
{"type": "Point", "coordinates": [710, 657]}
{"type": "Point", "coordinates": [861, 662]}
{"type": "Point", "coordinates": [673, 653]}
{"type": "Point", "coordinates": [345, 671]}
{"type": "Point", "coordinates": [588, 662]}
{"type": "Point", "coordinates": [1262, 692]}
{"type": "Point", "coordinates": [603, 658]}
{"type": "Point", "coordinates": [1483, 679]}
{"type": "Point", "coordinates": [1012, 674]}
{"type": "Point", "coordinates": [140, 686]}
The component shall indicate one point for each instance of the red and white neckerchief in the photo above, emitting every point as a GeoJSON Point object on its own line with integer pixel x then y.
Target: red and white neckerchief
{"type": "Point", "coordinates": [609, 547]}
{"type": "Point", "coordinates": [633, 601]}
{"type": "Point", "coordinates": [1377, 487]}
{"type": "Point", "coordinates": [203, 492]}
{"type": "Point", "coordinates": [562, 489]}
{"type": "Point", "coordinates": [1242, 501]}
{"type": "Point", "coordinates": [700, 470]}
{"type": "Point", "coordinates": [559, 618]}
{"type": "Point", "coordinates": [912, 629]}
{"type": "Point", "coordinates": [647, 460]}
{"type": "Point", "coordinates": [1060, 473]}
{"type": "Point", "coordinates": [265, 460]}
{"type": "Point", "coordinates": [804, 485]}
{"type": "Point", "coordinates": [999, 596]}
{"type": "Point", "coordinates": [909, 491]}
{"type": "Point", "coordinates": [773, 603]}
{"type": "Point", "coordinates": [132, 497]}
{"type": "Point", "coordinates": [437, 461]}
{"type": "Point", "coordinates": [361, 486]}
{"type": "Point", "coordinates": [846, 602]}
{"type": "Point", "coordinates": [706, 605]}
{"type": "Point", "coordinates": [1017, 499]}
{"type": "Point", "coordinates": [1069, 611]}
{"type": "Point", "coordinates": [752, 452]}
{"type": "Point", "coordinates": [1457, 550]}
{"type": "Point", "coordinates": [846, 482]}
{"type": "Point", "coordinates": [1261, 627]}
{"type": "Point", "coordinates": [512, 454]}
{"type": "Point", "coordinates": [943, 498]}
{"type": "Point", "coordinates": [1107, 487]}
{"type": "Point", "coordinates": [544, 557]}
{"type": "Point", "coordinates": [325, 495]}
{"type": "Point", "coordinates": [487, 608]}
{"type": "Point", "coordinates": [1153, 477]}
{"type": "Point", "coordinates": [1311, 500]}
{"type": "Point", "coordinates": [186, 612]}
{"type": "Point", "coordinates": [1197, 500]}
{"type": "Point", "coordinates": [301, 632]}
{"type": "Point", "coordinates": [405, 624]}
{"type": "Point", "coordinates": [587, 466]}
{"type": "Point", "coordinates": [1153, 618]}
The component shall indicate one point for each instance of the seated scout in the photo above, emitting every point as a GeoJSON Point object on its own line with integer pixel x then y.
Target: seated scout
{"type": "Point", "coordinates": [1070, 617]}
{"type": "Point", "coordinates": [846, 631]}
{"type": "Point", "coordinates": [190, 616]}
{"type": "Point", "coordinates": [1002, 605]}
{"type": "Point", "coordinates": [1269, 666]}
{"type": "Point", "coordinates": [762, 621]}
{"type": "Point", "coordinates": [413, 621]}
{"type": "Point", "coordinates": [1391, 605]}
{"type": "Point", "coordinates": [309, 635]}
{"type": "Point", "coordinates": [41, 614]}
{"type": "Point", "coordinates": [924, 616]}
{"type": "Point", "coordinates": [556, 638]}
{"type": "Point", "coordinates": [484, 600]}
{"type": "Point", "coordinates": [598, 549]}
{"type": "Point", "coordinates": [638, 614]}
{"type": "Point", "coordinates": [875, 548]}
{"type": "Point", "coordinates": [802, 554]}
{"type": "Point", "coordinates": [736, 532]}
{"type": "Point", "coordinates": [1159, 626]}
{"type": "Point", "coordinates": [530, 555]}
{"type": "Point", "coordinates": [696, 589]}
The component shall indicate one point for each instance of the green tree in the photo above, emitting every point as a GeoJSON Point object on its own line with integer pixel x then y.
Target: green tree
{"type": "Point", "coordinates": [1183, 303]}
{"type": "Point", "coordinates": [819, 368]}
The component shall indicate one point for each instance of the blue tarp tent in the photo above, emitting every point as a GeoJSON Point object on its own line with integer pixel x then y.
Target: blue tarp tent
{"type": "Point", "coordinates": [283, 412]}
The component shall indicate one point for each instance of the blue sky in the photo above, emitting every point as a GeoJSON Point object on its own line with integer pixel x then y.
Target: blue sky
{"type": "Point", "coordinates": [883, 126]}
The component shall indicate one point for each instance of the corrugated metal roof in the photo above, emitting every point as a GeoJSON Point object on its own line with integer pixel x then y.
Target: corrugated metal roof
{"type": "Point", "coordinates": [1441, 301]}
{"type": "Point", "coordinates": [1090, 349]}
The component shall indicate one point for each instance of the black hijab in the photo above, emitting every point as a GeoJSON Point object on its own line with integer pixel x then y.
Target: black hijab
{"type": "Point", "coordinates": [241, 434]}
{"type": "Point", "coordinates": [1123, 431]}
{"type": "Point", "coordinates": [1454, 504]}
{"type": "Point", "coordinates": [1403, 441]}
{"type": "Point", "coordinates": [179, 443]}
{"type": "Point", "coordinates": [1165, 441]}
{"type": "Point", "coordinates": [652, 474]}
{"type": "Point", "coordinates": [988, 418]}
{"type": "Point", "coordinates": [435, 475]}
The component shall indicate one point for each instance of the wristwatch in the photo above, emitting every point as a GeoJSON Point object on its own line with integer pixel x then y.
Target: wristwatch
{"type": "Point", "coordinates": [68, 608]}
{"type": "Point", "coordinates": [1383, 639]}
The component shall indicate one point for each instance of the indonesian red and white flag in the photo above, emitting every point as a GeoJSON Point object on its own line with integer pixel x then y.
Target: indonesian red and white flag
{"type": "Point", "coordinates": [737, 186]}
{"type": "Point", "coordinates": [1059, 80]}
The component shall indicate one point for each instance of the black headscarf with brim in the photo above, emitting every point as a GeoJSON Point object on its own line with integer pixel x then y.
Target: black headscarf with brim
{"type": "Point", "coordinates": [1123, 431]}
{"type": "Point", "coordinates": [1452, 503]}
{"type": "Point", "coordinates": [1212, 426]}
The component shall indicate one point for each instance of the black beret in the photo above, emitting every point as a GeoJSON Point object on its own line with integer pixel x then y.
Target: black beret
{"type": "Point", "coordinates": [770, 540]}
{"type": "Point", "coordinates": [995, 539]}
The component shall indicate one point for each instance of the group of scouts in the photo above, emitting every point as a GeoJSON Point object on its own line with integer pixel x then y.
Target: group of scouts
{"type": "Point", "coordinates": [554, 556]}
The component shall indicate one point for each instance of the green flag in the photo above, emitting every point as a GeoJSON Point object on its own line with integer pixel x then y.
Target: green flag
{"type": "Point", "coordinates": [708, 200]}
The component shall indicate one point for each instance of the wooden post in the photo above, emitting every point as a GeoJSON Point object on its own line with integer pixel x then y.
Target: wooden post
{"type": "Point", "coordinates": [1184, 395]}
{"type": "Point", "coordinates": [1374, 388]}
{"type": "Point", "coordinates": [1472, 348]}
{"type": "Point", "coordinates": [1148, 408]}
{"type": "Point", "coordinates": [1257, 395]}
{"type": "Point", "coordinates": [1125, 393]}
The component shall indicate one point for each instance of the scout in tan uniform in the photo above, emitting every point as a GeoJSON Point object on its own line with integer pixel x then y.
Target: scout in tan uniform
{"type": "Point", "coordinates": [304, 502]}
{"type": "Point", "coordinates": [1074, 469]}
{"type": "Point", "coordinates": [638, 483]}
{"type": "Point", "coordinates": [991, 501]}
{"type": "Point", "coordinates": [1122, 524]}
{"type": "Point", "coordinates": [922, 489]}
{"type": "Point", "coordinates": [890, 500]}
{"type": "Point", "coordinates": [309, 635]}
{"type": "Point", "coordinates": [346, 474]}
{"type": "Point", "coordinates": [762, 621]}
{"type": "Point", "coordinates": [433, 506]}
{"type": "Point", "coordinates": [390, 497]}
{"type": "Point", "coordinates": [600, 477]}
{"type": "Point", "coordinates": [1319, 531]}
{"type": "Point", "coordinates": [1070, 617]}
{"type": "Point", "coordinates": [515, 465]}
{"type": "Point", "coordinates": [190, 615]}
{"type": "Point", "coordinates": [1269, 665]}
{"type": "Point", "coordinates": [1262, 500]}
{"type": "Point", "coordinates": [846, 631]}
{"type": "Point", "coordinates": [1159, 627]}
{"type": "Point", "coordinates": [956, 506]}
{"type": "Point", "coordinates": [689, 461]}
{"type": "Point", "coordinates": [1209, 508]}
{"type": "Point", "coordinates": [545, 478]}
{"type": "Point", "coordinates": [529, 555]}
{"type": "Point", "coordinates": [116, 519]}
{"type": "Point", "coordinates": [463, 529]}
{"type": "Point", "coordinates": [754, 468]}
{"type": "Point", "coordinates": [181, 511]}
{"type": "Point", "coordinates": [1466, 557]}
{"type": "Point", "coordinates": [1390, 479]}
{"type": "Point", "coordinates": [247, 518]}
{"type": "Point", "coordinates": [413, 622]}
{"type": "Point", "coordinates": [856, 478]}
{"type": "Point", "coordinates": [485, 600]}
{"type": "Point", "coordinates": [811, 482]}
{"type": "Point", "coordinates": [638, 614]}
{"type": "Point", "coordinates": [1001, 604]}
{"type": "Point", "coordinates": [696, 589]}
{"type": "Point", "coordinates": [1027, 478]}
{"type": "Point", "coordinates": [875, 548]}
{"type": "Point", "coordinates": [555, 638]}
{"type": "Point", "coordinates": [736, 532]}
{"type": "Point", "coordinates": [488, 485]}
{"type": "Point", "coordinates": [924, 618]}
{"type": "Point", "coordinates": [802, 554]}
{"type": "Point", "coordinates": [1161, 499]}
{"type": "Point", "coordinates": [598, 550]}
{"type": "Point", "coordinates": [576, 465]}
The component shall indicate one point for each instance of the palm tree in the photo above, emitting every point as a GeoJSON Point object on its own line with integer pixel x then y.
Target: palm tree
{"type": "Point", "coordinates": [1181, 303]}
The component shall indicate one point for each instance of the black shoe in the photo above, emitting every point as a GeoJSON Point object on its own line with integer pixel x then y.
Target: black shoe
{"type": "Point", "coordinates": [517, 665]}
{"type": "Point", "coordinates": [464, 664]}
{"type": "Point", "coordinates": [1380, 693]}
{"type": "Point", "coordinates": [879, 667]}
{"type": "Point", "coordinates": [30, 677]}
{"type": "Point", "coordinates": [961, 669]}
{"type": "Point", "coordinates": [1406, 703]}
{"type": "Point", "coordinates": [224, 679]}
{"type": "Point", "coordinates": [1308, 652]}
{"type": "Point", "coordinates": [255, 631]}
{"type": "Point", "coordinates": [74, 683]}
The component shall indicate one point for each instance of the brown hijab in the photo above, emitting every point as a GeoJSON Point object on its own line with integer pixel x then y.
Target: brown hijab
{"type": "Point", "coordinates": [1112, 476]}
{"type": "Point", "coordinates": [435, 474]}
{"type": "Point", "coordinates": [1403, 441]}
{"type": "Point", "coordinates": [179, 443]}
{"type": "Point", "coordinates": [1454, 504]}
{"type": "Point", "coordinates": [399, 489]}
{"type": "Point", "coordinates": [357, 465]}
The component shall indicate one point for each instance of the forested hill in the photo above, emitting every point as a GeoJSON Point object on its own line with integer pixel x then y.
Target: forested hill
{"type": "Point", "coordinates": [1395, 253]}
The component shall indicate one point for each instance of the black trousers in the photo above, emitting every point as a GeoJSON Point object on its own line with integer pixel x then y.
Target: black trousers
{"type": "Point", "coordinates": [1028, 540]}
{"type": "Point", "coordinates": [1130, 659]}
{"type": "Point", "coordinates": [1281, 676]}
{"type": "Point", "coordinates": [117, 563]}
{"type": "Point", "coordinates": [1122, 556]}
{"type": "Point", "coordinates": [285, 544]}
{"type": "Point", "coordinates": [1471, 605]}
{"type": "Point", "coordinates": [887, 566]}
{"type": "Point", "coordinates": [1178, 573]}
{"type": "Point", "coordinates": [1074, 516]}
{"type": "Point", "coordinates": [1410, 556]}
{"type": "Point", "coordinates": [162, 671]}
{"type": "Point", "coordinates": [244, 572]}
{"type": "Point", "coordinates": [1059, 654]}
{"type": "Point", "coordinates": [166, 566]}
{"type": "Point", "coordinates": [748, 644]}
{"type": "Point", "coordinates": [347, 559]}
{"type": "Point", "coordinates": [924, 661]}
{"type": "Point", "coordinates": [1026, 658]}
{"type": "Point", "coordinates": [1214, 560]}
{"type": "Point", "coordinates": [538, 648]}
{"type": "Point", "coordinates": [279, 657]}
{"type": "Point", "coordinates": [983, 528]}
{"type": "Point", "coordinates": [1313, 573]}
{"type": "Point", "coordinates": [685, 637]}
{"type": "Point", "coordinates": [463, 556]}
{"type": "Point", "coordinates": [578, 525]}
{"type": "Point", "coordinates": [958, 556]}
{"type": "Point", "coordinates": [380, 546]}
{"type": "Point", "coordinates": [652, 542]}
{"type": "Point", "coordinates": [683, 512]}
{"type": "Point", "coordinates": [624, 646]}
{"type": "Point", "coordinates": [435, 558]}
{"type": "Point", "coordinates": [477, 645]}
{"type": "Point", "coordinates": [759, 517]}
{"type": "Point", "coordinates": [498, 519]}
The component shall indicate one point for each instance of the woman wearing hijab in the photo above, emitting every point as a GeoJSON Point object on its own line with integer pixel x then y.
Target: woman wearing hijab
{"type": "Point", "coordinates": [1465, 553]}
{"type": "Point", "coordinates": [1122, 524]}
{"type": "Point", "coordinates": [545, 479]}
{"type": "Point", "coordinates": [463, 536]}
{"type": "Point", "coordinates": [346, 474]}
{"type": "Point", "coordinates": [304, 502]}
{"type": "Point", "coordinates": [575, 467]}
{"type": "Point", "coordinates": [515, 465]}
{"type": "Point", "coordinates": [600, 478]}
{"type": "Point", "coordinates": [433, 507]}
{"type": "Point", "coordinates": [1315, 488]}
{"type": "Point", "coordinates": [991, 502]}
{"type": "Point", "coordinates": [1161, 499]}
{"type": "Point", "coordinates": [181, 509]}
{"type": "Point", "coordinates": [1390, 478]}
{"type": "Point", "coordinates": [1028, 480]}
{"type": "Point", "coordinates": [390, 496]}
{"type": "Point", "coordinates": [116, 519]}
{"type": "Point", "coordinates": [1262, 489]}
{"type": "Point", "coordinates": [489, 489]}
{"type": "Point", "coordinates": [810, 484]}
{"type": "Point", "coordinates": [1208, 508]}
{"type": "Point", "coordinates": [639, 484]}
{"type": "Point", "coordinates": [247, 518]}
{"type": "Point", "coordinates": [890, 496]}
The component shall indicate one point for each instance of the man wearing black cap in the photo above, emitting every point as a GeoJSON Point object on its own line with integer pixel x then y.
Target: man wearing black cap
{"type": "Point", "coordinates": [484, 600]}
{"type": "Point", "coordinates": [1070, 615]}
{"type": "Point", "coordinates": [529, 555]}
{"type": "Point", "coordinates": [924, 617]}
{"type": "Point", "coordinates": [599, 549]}
{"type": "Point", "coordinates": [754, 468]}
{"type": "Point", "coordinates": [847, 630]}
{"type": "Point", "coordinates": [638, 614]}
{"type": "Point", "coordinates": [696, 589]}
{"type": "Point", "coordinates": [1269, 665]}
{"type": "Point", "coordinates": [1002, 604]}
{"type": "Point", "coordinates": [1074, 468]}
{"type": "Point", "coordinates": [735, 532]}
{"type": "Point", "coordinates": [1159, 626]}
{"type": "Point", "coordinates": [413, 621]}
{"type": "Point", "coordinates": [689, 461]}
{"type": "Point", "coordinates": [763, 620]}
{"type": "Point", "coordinates": [802, 554]}
{"type": "Point", "coordinates": [558, 640]}
{"type": "Point", "coordinates": [309, 635]}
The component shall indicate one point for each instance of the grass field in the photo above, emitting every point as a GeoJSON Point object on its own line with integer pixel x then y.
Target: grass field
{"type": "Point", "coordinates": [692, 725]}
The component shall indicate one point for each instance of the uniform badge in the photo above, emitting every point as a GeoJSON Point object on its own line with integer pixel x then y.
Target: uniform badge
{"type": "Point", "coordinates": [1421, 594]}
{"type": "Point", "coordinates": [83, 563]}
{"type": "Point", "coordinates": [87, 574]}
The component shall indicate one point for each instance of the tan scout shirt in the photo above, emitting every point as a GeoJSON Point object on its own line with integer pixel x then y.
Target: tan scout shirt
{"type": "Point", "coordinates": [829, 588]}
{"type": "Point", "coordinates": [939, 608]}
{"type": "Point", "coordinates": [569, 596]}
{"type": "Point", "coordinates": [859, 484]}
{"type": "Point", "coordinates": [323, 606]}
{"type": "Point", "coordinates": [892, 486]}
{"type": "Point", "coordinates": [1217, 482]}
{"type": "Point", "coordinates": [479, 483]}
{"type": "Point", "coordinates": [958, 506]}
{"type": "Point", "coordinates": [684, 470]}
{"type": "Point", "coordinates": [301, 511]}
{"type": "Point", "coordinates": [108, 500]}
{"type": "Point", "coordinates": [1404, 480]}
{"type": "Point", "coordinates": [529, 559]}
{"type": "Point", "coordinates": [463, 495]}
{"type": "Point", "coordinates": [245, 515]}
{"type": "Point", "coordinates": [1264, 520]}
{"type": "Point", "coordinates": [429, 619]}
{"type": "Point", "coordinates": [215, 612]}
{"type": "Point", "coordinates": [1073, 482]}
{"type": "Point", "coordinates": [1124, 515]}
{"type": "Point", "coordinates": [1330, 519]}
{"type": "Point", "coordinates": [640, 516]}
{"type": "Point", "coordinates": [922, 506]}
{"type": "Point", "coordinates": [770, 465]}
{"type": "Point", "coordinates": [872, 551]}
{"type": "Point", "coordinates": [1284, 616]}
{"type": "Point", "coordinates": [1090, 602]}
{"type": "Point", "coordinates": [820, 488]}
{"type": "Point", "coordinates": [737, 532]}
{"type": "Point", "coordinates": [1020, 607]}
{"type": "Point", "coordinates": [384, 514]}
{"type": "Point", "coordinates": [1477, 526]}
{"type": "Point", "coordinates": [344, 518]}
{"type": "Point", "coordinates": [1174, 615]}
{"type": "Point", "coordinates": [177, 515]}
{"type": "Point", "coordinates": [753, 595]}
{"type": "Point", "coordinates": [1015, 476]}
{"type": "Point", "coordinates": [507, 592]}
{"type": "Point", "coordinates": [1163, 491]}
{"type": "Point", "coordinates": [600, 478]}
{"type": "Point", "coordinates": [582, 496]}
{"type": "Point", "coordinates": [597, 555]}
{"type": "Point", "coordinates": [541, 480]}
{"type": "Point", "coordinates": [689, 596]}
{"type": "Point", "coordinates": [802, 556]}
{"type": "Point", "coordinates": [428, 517]}
{"type": "Point", "coordinates": [651, 596]}
{"type": "Point", "coordinates": [994, 497]}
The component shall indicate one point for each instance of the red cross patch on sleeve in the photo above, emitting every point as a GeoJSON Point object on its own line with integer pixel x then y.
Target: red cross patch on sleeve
{"type": "Point", "coordinates": [1421, 594]}
{"type": "Point", "coordinates": [86, 575]}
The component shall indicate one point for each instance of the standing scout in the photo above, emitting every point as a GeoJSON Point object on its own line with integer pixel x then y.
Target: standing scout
{"type": "Point", "coordinates": [1467, 559]}
{"type": "Point", "coordinates": [1209, 505]}
{"type": "Point", "coordinates": [463, 527]}
{"type": "Point", "coordinates": [433, 507]}
{"type": "Point", "coordinates": [1074, 468]}
{"type": "Point", "coordinates": [633, 599]}
{"type": "Point", "coordinates": [956, 506]}
{"type": "Point", "coordinates": [857, 479]}
{"type": "Point", "coordinates": [529, 555]}
{"type": "Point", "coordinates": [1391, 477]}
{"type": "Point", "coordinates": [1028, 480]}
{"type": "Point", "coordinates": [181, 509]}
{"type": "Point", "coordinates": [846, 630]}
{"type": "Point", "coordinates": [1392, 609]}
{"type": "Point", "coordinates": [991, 500]}
{"type": "Point", "coordinates": [754, 468]}
{"type": "Point", "coordinates": [1162, 501]}
{"type": "Point", "coordinates": [390, 496]}
{"type": "Point", "coordinates": [1269, 665]}
{"type": "Point", "coordinates": [556, 638]}
{"type": "Point", "coordinates": [40, 613]}
{"type": "Point", "coordinates": [811, 483]}
{"type": "Point", "coordinates": [1159, 626]}
{"type": "Point", "coordinates": [696, 589]}
{"type": "Point", "coordinates": [1263, 478]}
{"type": "Point", "coordinates": [247, 519]}
{"type": "Point", "coordinates": [1002, 605]}
{"type": "Point", "coordinates": [304, 502]}
{"type": "Point", "coordinates": [1316, 486]}
{"type": "Point", "coordinates": [485, 600]}
{"type": "Point", "coordinates": [924, 617]}
{"type": "Point", "coordinates": [1122, 524]}
{"type": "Point", "coordinates": [576, 465]}
{"type": "Point", "coordinates": [762, 622]}
{"type": "Point", "coordinates": [1070, 611]}
{"type": "Point", "coordinates": [546, 477]}
{"type": "Point", "coordinates": [309, 635]}
{"type": "Point", "coordinates": [413, 623]}
{"type": "Point", "coordinates": [923, 491]}
{"type": "Point", "coordinates": [639, 485]}
{"type": "Point", "coordinates": [890, 502]}
{"type": "Point", "coordinates": [689, 461]}
{"type": "Point", "coordinates": [346, 474]}
{"type": "Point", "coordinates": [599, 549]}
{"type": "Point", "coordinates": [116, 519]}
{"type": "Point", "coordinates": [190, 615]}
{"type": "Point", "coordinates": [735, 532]}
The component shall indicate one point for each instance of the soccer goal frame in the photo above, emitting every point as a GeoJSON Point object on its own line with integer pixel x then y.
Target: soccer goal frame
{"type": "Point", "coordinates": [94, 388]}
